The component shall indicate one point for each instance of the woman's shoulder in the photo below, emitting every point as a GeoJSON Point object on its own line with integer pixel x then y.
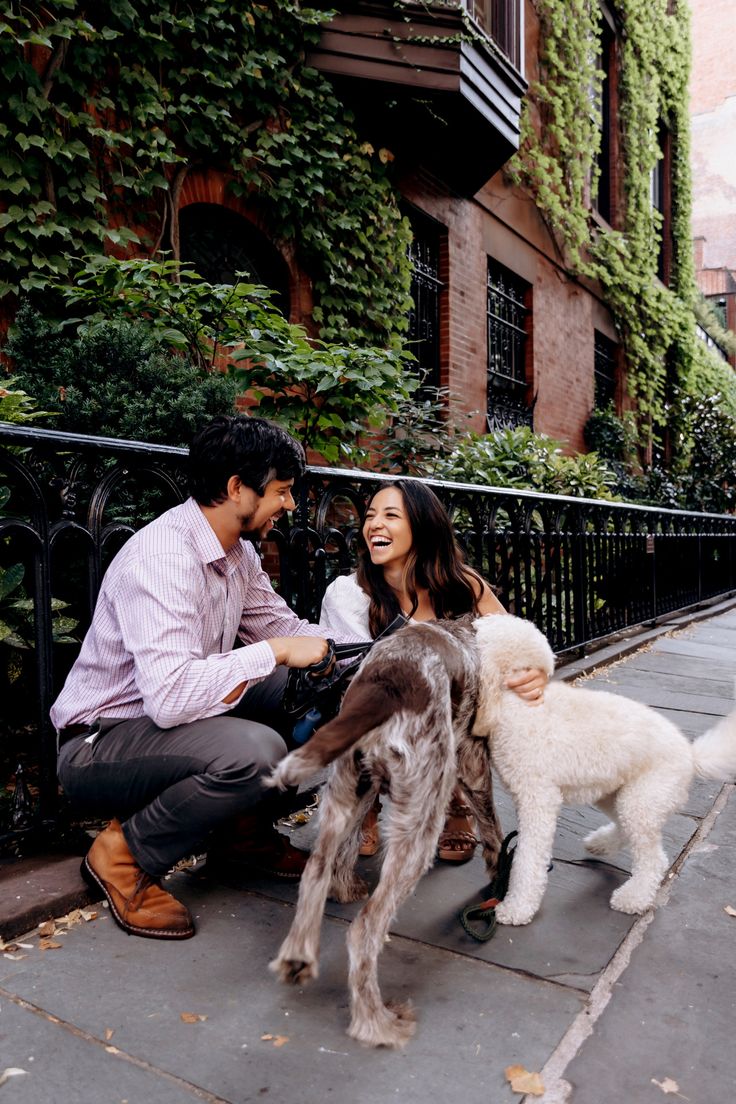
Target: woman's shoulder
{"type": "Point", "coordinates": [345, 607]}
{"type": "Point", "coordinates": [345, 588]}
{"type": "Point", "coordinates": [345, 584]}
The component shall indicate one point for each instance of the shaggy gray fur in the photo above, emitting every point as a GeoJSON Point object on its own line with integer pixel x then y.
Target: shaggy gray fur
{"type": "Point", "coordinates": [404, 729]}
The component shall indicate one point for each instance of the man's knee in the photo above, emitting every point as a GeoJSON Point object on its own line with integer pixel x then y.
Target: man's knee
{"type": "Point", "coordinates": [245, 749]}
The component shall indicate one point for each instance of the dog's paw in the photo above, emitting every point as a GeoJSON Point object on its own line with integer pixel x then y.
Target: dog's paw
{"type": "Point", "coordinates": [604, 841]}
{"type": "Point", "coordinates": [294, 970]}
{"type": "Point", "coordinates": [357, 889]}
{"type": "Point", "coordinates": [392, 1026]}
{"type": "Point", "coordinates": [509, 912]}
{"type": "Point", "coordinates": [632, 901]}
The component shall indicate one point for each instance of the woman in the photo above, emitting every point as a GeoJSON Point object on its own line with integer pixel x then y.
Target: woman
{"type": "Point", "coordinates": [409, 562]}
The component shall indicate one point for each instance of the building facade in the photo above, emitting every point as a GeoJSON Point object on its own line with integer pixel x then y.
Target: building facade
{"type": "Point", "coordinates": [501, 318]}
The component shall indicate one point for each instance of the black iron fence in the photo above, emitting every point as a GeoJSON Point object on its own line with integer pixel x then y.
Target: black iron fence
{"type": "Point", "coordinates": [580, 569]}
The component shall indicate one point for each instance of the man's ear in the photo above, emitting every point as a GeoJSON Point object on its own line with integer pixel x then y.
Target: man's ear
{"type": "Point", "coordinates": [234, 487]}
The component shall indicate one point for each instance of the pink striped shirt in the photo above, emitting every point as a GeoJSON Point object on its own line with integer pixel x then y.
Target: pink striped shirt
{"type": "Point", "coordinates": [170, 608]}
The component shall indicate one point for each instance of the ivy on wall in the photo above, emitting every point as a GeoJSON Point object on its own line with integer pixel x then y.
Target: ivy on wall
{"type": "Point", "coordinates": [557, 164]}
{"type": "Point", "coordinates": [109, 107]}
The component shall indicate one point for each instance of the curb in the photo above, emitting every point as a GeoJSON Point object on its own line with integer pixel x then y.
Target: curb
{"type": "Point", "coordinates": [40, 888]}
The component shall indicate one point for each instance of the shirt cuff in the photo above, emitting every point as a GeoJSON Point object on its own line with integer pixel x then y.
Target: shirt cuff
{"type": "Point", "coordinates": [258, 660]}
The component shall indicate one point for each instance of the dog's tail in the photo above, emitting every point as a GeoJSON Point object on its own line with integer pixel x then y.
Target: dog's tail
{"type": "Point", "coordinates": [364, 708]}
{"type": "Point", "coordinates": [714, 753]}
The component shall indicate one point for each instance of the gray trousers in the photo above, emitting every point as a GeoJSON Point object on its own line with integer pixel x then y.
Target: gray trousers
{"type": "Point", "coordinates": [170, 787]}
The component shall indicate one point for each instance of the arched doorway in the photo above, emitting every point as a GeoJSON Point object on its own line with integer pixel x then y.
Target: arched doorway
{"type": "Point", "coordinates": [220, 243]}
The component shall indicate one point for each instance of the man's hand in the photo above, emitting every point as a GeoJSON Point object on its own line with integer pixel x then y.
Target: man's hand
{"type": "Point", "coordinates": [298, 651]}
{"type": "Point", "coordinates": [529, 685]}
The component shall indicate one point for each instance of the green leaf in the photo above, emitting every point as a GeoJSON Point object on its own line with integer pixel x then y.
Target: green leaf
{"type": "Point", "coordinates": [10, 579]}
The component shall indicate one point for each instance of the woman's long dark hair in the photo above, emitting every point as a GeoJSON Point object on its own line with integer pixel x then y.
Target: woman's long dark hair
{"type": "Point", "coordinates": [435, 563]}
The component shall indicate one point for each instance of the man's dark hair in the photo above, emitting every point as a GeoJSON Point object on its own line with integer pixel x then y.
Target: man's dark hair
{"type": "Point", "coordinates": [255, 450]}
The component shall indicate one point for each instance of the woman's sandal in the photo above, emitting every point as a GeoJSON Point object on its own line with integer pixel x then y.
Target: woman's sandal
{"type": "Point", "coordinates": [370, 837]}
{"type": "Point", "coordinates": [457, 841]}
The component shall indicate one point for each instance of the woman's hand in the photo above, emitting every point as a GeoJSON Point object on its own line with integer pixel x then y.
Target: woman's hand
{"type": "Point", "coordinates": [529, 685]}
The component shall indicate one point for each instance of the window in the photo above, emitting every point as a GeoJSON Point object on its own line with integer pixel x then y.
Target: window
{"type": "Point", "coordinates": [660, 200]}
{"type": "Point", "coordinates": [509, 317]}
{"type": "Point", "coordinates": [718, 305]}
{"type": "Point", "coordinates": [501, 20]}
{"type": "Point", "coordinates": [604, 366]}
{"type": "Point", "coordinates": [426, 286]}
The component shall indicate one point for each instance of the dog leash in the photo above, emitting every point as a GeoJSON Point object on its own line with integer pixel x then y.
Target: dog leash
{"type": "Point", "coordinates": [485, 912]}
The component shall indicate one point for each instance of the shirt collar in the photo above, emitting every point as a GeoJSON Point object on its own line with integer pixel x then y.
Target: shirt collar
{"type": "Point", "coordinates": [207, 544]}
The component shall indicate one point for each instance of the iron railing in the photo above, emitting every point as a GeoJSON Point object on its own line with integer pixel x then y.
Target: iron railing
{"type": "Point", "coordinates": [580, 569]}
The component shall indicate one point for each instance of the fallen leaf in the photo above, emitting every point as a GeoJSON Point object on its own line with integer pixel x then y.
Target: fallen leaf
{"type": "Point", "coordinates": [668, 1086]}
{"type": "Point", "coordinates": [522, 1081]}
{"type": "Point", "coordinates": [731, 911]}
{"type": "Point", "coordinates": [49, 945]}
{"type": "Point", "coordinates": [47, 928]}
{"type": "Point", "coordinates": [88, 914]}
{"type": "Point", "coordinates": [11, 1071]}
{"type": "Point", "coordinates": [109, 1032]}
{"type": "Point", "coordinates": [8, 947]}
{"type": "Point", "coordinates": [191, 1017]}
{"type": "Point", "coordinates": [14, 957]}
{"type": "Point", "coordinates": [277, 1040]}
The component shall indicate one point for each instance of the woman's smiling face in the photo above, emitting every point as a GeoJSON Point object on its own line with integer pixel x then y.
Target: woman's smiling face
{"type": "Point", "coordinates": [386, 529]}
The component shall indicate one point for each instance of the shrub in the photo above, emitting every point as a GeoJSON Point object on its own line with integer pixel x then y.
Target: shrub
{"type": "Point", "coordinates": [521, 458]}
{"type": "Point", "coordinates": [115, 381]}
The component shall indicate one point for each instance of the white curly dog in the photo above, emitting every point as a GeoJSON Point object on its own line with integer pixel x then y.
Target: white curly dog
{"type": "Point", "coordinates": [585, 747]}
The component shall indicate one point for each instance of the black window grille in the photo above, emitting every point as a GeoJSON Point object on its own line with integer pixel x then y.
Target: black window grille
{"type": "Point", "coordinates": [501, 20]}
{"type": "Point", "coordinates": [509, 317]}
{"type": "Point", "coordinates": [426, 287]}
{"type": "Point", "coordinates": [604, 365]}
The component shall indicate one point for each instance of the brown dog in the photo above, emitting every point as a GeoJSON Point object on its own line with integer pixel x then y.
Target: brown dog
{"type": "Point", "coordinates": [407, 718]}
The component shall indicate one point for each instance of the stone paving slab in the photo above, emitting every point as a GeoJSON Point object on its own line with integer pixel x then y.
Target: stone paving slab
{"type": "Point", "coordinates": [682, 666]}
{"type": "Point", "coordinates": [682, 645]}
{"type": "Point", "coordinates": [673, 1010]}
{"type": "Point", "coordinates": [63, 1068]}
{"type": "Point", "coordinates": [659, 697]}
{"type": "Point", "coordinates": [682, 683]}
{"type": "Point", "coordinates": [474, 1019]}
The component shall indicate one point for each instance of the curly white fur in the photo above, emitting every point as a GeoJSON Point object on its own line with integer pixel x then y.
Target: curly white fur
{"type": "Point", "coordinates": [585, 747]}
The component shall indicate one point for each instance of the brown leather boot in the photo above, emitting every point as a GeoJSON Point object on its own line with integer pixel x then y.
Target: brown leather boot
{"type": "Point", "coordinates": [137, 902]}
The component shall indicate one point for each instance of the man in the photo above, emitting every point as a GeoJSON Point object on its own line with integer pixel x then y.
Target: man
{"type": "Point", "coordinates": [160, 721]}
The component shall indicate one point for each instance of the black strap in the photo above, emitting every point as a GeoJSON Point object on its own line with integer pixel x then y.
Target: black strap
{"type": "Point", "coordinates": [485, 912]}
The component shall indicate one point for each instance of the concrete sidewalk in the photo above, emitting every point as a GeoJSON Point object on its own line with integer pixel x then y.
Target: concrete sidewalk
{"type": "Point", "coordinates": [608, 1009]}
